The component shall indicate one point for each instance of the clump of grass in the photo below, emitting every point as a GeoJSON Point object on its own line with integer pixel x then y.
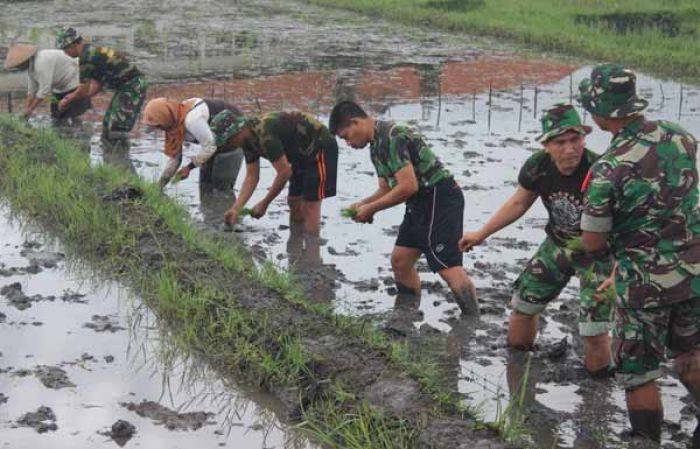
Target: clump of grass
{"type": "Point", "coordinates": [348, 213]}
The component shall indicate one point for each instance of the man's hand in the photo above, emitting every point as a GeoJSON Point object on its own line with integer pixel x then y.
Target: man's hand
{"type": "Point", "coordinates": [65, 101]}
{"type": "Point", "coordinates": [184, 172]}
{"type": "Point", "coordinates": [606, 290]}
{"type": "Point", "coordinates": [259, 210]}
{"type": "Point", "coordinates": [231, 216]}
{"type": "Point", "coordinates": [469, 240]}
{"type": "Point", "coordinates": [365, 214]}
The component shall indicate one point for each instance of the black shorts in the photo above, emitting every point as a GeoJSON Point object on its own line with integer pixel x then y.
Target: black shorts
{"type": "Point", "coordinates": [433, 223]}
{"type": "Point", "coordinates": [316, 180]}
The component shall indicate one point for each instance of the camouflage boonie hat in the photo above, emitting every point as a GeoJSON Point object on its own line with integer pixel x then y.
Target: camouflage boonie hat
{"type": "Point", "coordinates": [559, 119]}
{"type": "Point", "coordinates": [611, 92]}
{"type": "Point", "coordinates": [66, 36]}
{"type": "Point", "coordinates": [227, 124]}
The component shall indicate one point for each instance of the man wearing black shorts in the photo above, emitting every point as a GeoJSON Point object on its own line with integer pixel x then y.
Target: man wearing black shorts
{"type": "Point", "coordinates": [409, 172]}
{"type": "Point", "coordinates": [301, 150]}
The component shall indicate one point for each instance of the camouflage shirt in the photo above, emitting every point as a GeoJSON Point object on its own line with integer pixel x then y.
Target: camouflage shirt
{"type": "Point", "coordinates": [297, 135]}
{"type": "Point", "coordinates": [644, 192]}
{"type": "Point", "coordinates": [109, 67]}
{"type": "Point", "coordinates": [560, 194]}
{"type": "Point", "coordinates": [394, 146]}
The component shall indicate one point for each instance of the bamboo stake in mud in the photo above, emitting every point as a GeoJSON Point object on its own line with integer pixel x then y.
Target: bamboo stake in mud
{"type": "Point", "coordinates": [680, 103]}
{"type": "Point", "coordinates": [437, 125]}
{"type": "Point", "coordinates": [534, 108]}
{"type": "Point", "coordinates": [520, 114]}
{"type": "Point", "coordinates": [490, 98]}
{"type": "Point", "coordinates": [571, 88]}
{"type": "Point", "coordinates": [474, 106]}
{"type": "Point", "coordinates": [663, 96]}
{"type": "Point", "coordinates": [9, 102]}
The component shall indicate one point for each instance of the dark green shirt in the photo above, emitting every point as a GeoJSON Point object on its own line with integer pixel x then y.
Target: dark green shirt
{"type": "Point", "coordinates": [109, 67]}
{"type": "Point", "coordinates": [396, 146]}
{"type": "Point", "coordinates": [297, 135]}
{"type": "Point", "coordinates": [560, 194]}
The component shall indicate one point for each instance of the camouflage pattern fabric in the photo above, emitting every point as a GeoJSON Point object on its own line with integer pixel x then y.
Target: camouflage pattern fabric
{"type": "Point", "coordinates": [297, 135]}
{"type": "Point", "coordinates": [548, 272]}
{"type": "Point", "coordinates": [611, 91]}
{"type": "Point", "coordinates": [109, 67]}
{"type": "Point", "coordinates": [125, 106]}
{"type": "Point", "coordinates": [643, 336]}
{"type": "Point", "coordinates": [66, 36]}
{"type": "Point", "coordinates": [644, 192]}
{"type": "Point", "coordinates": [394, 146]}
{"type": "Point", "coordinates": [560, 119]}
{"type": "Point", "coordinates": [227, 124]}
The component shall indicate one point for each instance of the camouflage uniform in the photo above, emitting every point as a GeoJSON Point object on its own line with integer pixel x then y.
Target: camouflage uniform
{"type": "Point", "coordinates": [434, 215]}
{"type": "Point", "coordinates": [561, 255]}
{"type": "Point", "coordinates": [111, 68]}
{"type": "Point", "coordinates": [308, 145]}
{"type": "Point", "coordinates": [644, 192]}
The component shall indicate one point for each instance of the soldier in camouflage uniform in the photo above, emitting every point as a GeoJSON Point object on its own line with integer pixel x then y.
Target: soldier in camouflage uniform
{"type": "Point", "coordinates": [301, 150]}
{"type": "Point", "coordinates": [642, 207]}
{"type": "Point", "coordinates": [410, 172]}
{"type": "Point", "coordinates": [102, 67]}
{"type": "Point", "coordinates": [555, 175]}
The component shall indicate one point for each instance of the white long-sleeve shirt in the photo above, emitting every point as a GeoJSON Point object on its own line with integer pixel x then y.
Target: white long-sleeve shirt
{"type": "Point", "coordinates": [51, 71]}
{"type": "Point", "coordinates": [197, 131]}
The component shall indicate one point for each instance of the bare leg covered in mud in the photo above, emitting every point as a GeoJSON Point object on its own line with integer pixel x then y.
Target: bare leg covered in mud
{"type": "Point", "coordinates": [522, 330]}
{"type": "Point", "coordinates": [403, 262]}
{"type": "Point", "coordinates": [306, 212]}
{"type": "Point", "coordinates": [463, 288]}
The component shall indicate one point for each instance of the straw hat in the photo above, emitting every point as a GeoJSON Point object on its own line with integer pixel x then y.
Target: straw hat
{"type": "Point", "coordinates": [19, 54]}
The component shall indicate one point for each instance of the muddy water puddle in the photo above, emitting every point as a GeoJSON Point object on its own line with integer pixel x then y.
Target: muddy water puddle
{"type": "Point", "coordinates": [86, 365]}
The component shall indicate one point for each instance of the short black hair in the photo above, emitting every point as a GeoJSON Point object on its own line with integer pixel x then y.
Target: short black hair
{"type": "Point", "coordinates": [342, 113]}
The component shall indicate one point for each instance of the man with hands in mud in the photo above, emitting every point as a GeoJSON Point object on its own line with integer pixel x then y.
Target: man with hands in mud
{"type": "Point", "coordinates": [409, 172]}
{"type": "Point", "coordinates": [302, 152]}
{"type": "Point", "coordinates": [556, 175]}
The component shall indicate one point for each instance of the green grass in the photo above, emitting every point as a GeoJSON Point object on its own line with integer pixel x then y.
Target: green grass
{"type": "Point", "coordinates": [660, 36]}
{"type": "Point", "coordinates": [191, 279]}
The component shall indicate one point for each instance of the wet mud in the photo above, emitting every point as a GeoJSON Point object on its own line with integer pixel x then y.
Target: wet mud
{"type": "Point", "coordinates": [170, 419]}
{"type": "Point", "coordinates": [479, 106]}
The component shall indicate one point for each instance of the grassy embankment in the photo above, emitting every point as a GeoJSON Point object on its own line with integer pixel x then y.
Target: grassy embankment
{"type": "Point", "coordinates": [251, 322]}
{"type": "Point", "coordinates": [660, 36]}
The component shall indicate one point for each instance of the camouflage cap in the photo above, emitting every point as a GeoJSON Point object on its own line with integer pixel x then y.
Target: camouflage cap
{"type": "Point", "coordinates": [66, 36]}
{"type": "Point", "coordinates": [227, 124]}
{"type": "Point", "coordinates": [559, 119]}
{"type": "Point", "coordinates": [611, 92]}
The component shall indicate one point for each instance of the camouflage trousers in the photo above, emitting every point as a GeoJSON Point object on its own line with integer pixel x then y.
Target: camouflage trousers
{"type": "Point", "coordinates": [124, 109]}
{"type": "Point", "coordinates": [548, 272]}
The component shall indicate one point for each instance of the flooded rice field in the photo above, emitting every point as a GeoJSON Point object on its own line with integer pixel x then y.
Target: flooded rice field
{"type": "Point", "coordinates": [84, 364]}
{"type": "Point", "coordinates": [478, 104]}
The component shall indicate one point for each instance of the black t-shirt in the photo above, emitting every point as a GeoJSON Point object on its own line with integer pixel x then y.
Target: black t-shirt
{"type": "Point", "coordinates": [560, 194]}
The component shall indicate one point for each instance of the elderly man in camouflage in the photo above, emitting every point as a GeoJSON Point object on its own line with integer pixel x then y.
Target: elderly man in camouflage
{"type": "Point", "coordinates": [102, 67]}
{"type": "Point", "coordinates": [410, 172]}
{"type": "Point", "coordinates": [555, 174]}
{"type": "Point", "coordinates": [642, 208]}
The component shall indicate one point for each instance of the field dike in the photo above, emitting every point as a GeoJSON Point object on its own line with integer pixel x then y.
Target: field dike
{"type": "Point", "coordinates": [343, 381]}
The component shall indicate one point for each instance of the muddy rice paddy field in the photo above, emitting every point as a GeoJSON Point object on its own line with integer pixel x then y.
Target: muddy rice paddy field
{"type": "Point", "coordinates": [91, 354]}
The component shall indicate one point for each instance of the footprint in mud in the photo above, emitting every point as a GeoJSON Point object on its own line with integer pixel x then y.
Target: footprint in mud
{"type": "Point", "coordinates": [43, 420]}
{"type": "Point", "coordinates": [42, 258]}
{"type": "Point", "coordinates": [103, 323]}
{"type": "Point", "coordinates": [169, 418]}
{"type": "Point", "coordinates": [13, 292]}
{"type": "Point", "coordinates": [3, 399]}
{"type": "Point", "coordinates": [53, 377]}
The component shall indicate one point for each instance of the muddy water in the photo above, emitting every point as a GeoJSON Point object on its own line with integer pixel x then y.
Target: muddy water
{"type": "Point", "coordinates": [93, 354]}
{"type": "Point", "coordinates": [279, 55]}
